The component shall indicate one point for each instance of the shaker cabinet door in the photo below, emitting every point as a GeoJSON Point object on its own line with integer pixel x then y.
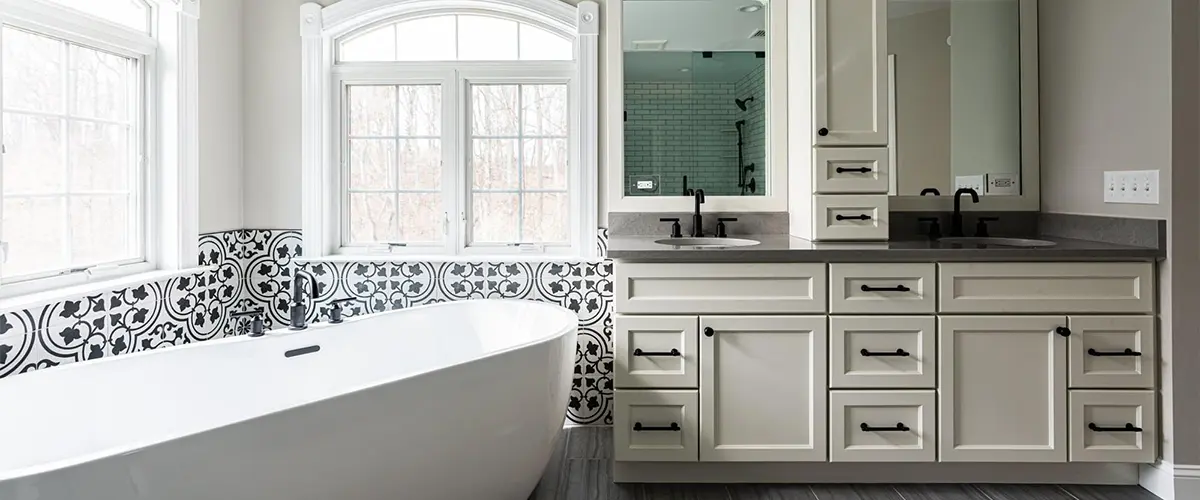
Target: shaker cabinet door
{"type": "Point", "coordinates": [850, 97]}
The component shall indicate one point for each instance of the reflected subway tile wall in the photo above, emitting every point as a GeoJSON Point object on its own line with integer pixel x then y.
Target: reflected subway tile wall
{"type": "Point", "coordinates": [254, 268]}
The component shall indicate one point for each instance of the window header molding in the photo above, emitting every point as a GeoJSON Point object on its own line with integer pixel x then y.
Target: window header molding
{"type": "Point", "coordinates": [322, 27]}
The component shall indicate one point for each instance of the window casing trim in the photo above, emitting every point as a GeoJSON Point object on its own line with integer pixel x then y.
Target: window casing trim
{"type": "Point", "coordinates": [322, 84]}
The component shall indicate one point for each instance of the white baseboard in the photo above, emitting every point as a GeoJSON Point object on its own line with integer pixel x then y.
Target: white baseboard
{"type": "Point", "coordinates": [1187, 482]}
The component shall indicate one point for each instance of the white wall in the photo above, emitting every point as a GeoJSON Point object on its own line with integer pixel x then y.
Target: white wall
{"type": "Point", "coordinates": [271, 92]}
{"type": "Point", "coordinates": [220, 115]}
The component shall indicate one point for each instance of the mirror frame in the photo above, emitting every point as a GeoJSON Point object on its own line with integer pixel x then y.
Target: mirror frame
{"type": "Point", "coordinates": [776, 197]}
{"type": "Point", "coordinates": [1030, 197]}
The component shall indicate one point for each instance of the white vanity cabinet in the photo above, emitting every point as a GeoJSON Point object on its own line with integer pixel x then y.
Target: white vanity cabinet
{"type": "Point", "coordinates": [850, 73]}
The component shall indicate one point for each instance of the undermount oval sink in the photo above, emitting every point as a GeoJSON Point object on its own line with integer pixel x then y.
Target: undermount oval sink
{"type": "Point", "coordinates": [997, 242]}
{"type": "Point", "coordinates": [706, 242]}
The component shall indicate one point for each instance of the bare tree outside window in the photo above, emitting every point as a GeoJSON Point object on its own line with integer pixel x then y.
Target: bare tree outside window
{"type": "Point", "coordinates": [72, 174]}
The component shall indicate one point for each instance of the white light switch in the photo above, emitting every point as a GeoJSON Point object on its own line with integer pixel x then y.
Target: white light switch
{"type": "Point", "coordinates": [1139, 186]}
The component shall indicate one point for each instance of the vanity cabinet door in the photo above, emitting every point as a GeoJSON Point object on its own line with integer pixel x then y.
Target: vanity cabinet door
{"type": "Point", "coordinates": [850, 96]}
{"type": "Point", "coordinates": [762, 388]}
{"type": "Point", "coordinates": [1002, 388]}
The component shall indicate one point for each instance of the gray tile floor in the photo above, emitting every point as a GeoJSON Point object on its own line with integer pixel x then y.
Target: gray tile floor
{"type": "Point", "coordinates": [582, 470]}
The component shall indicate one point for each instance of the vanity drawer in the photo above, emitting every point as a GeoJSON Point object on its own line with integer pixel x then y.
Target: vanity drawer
{"type": "Point", "coordinates": [656, 426]}
{"type": "Point", "coordinates": [882, 288]}
{"type": "Point", "coordinates": [882, 351]}
{"type": "Point", "coordinates": [656, 351]}
{"type": "Point", "coordinates": [1113, 426]}
{"type": "Point", "coordinates": [850, 217]}
{"type": "Point", "coordinates": [1111, 352]}
{"type": "Point", "coordinates": [1046, 287]}
{"type": "Point", "coordinates": [850, 170]}
{"type": "Point", "coordinates": [882, 426]}
{"type": "Point", "coordinates": [646, 288]}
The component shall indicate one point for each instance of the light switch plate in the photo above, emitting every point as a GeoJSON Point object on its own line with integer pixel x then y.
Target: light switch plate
{"type": "Point", "coordinates": [1136, 186]}
{"type": "Point", "coordinates": [976, 182]}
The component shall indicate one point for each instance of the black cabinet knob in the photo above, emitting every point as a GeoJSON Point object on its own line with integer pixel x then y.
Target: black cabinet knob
{"type": "Point", "coordinates": [708, 331]}
{"type": "Point", "coordinates": [823, 132]}
{"type": "Point", "coordinates": [1064, 331]}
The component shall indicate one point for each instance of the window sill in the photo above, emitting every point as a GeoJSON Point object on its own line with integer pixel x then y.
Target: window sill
{"type": "Point", "coordinates": [366, 257]}
{"type": "Point", "coordinates": [36, 299]}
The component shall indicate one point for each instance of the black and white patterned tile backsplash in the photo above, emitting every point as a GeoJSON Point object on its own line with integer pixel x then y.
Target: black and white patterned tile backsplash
{"type": "Point", "coordinates": [255, 268]}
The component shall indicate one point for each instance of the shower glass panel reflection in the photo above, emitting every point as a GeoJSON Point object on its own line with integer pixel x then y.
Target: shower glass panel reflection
{"type": "Point", "coordinates": [695, 120]}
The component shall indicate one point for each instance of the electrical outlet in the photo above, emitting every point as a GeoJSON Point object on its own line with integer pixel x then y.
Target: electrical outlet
{"type": "Point", "coordinates": [1140, 187]}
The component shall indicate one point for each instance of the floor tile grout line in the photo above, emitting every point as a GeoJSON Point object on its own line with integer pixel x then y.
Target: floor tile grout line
{"type": "Point", "coordinates": [1064, 490]}
{"type": "Point", "coordinates": [811, 490]}
{"type": "Point", "coordinates": [985, 494]}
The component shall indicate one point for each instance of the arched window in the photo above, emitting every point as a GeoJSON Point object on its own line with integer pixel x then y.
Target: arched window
{"type": "Point", "coordinates": [129, 13]}
{"type": "Point", "coordinates": [453, 128]}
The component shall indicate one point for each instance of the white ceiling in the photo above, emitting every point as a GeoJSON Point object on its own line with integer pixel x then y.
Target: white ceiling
{"type": "Point", "coordinates": [694, 25]}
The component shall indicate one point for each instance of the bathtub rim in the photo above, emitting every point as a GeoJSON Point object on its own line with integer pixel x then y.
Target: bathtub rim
{"type": "Point", "coordinates": [273, 335]}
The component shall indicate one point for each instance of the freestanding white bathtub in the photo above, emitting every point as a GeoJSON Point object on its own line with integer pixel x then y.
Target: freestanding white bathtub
{"type": "Point", "coordinates": [453, 401]}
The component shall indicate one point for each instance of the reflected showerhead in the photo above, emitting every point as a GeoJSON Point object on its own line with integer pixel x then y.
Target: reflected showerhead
{"type": "Point", "coordinates": [741, 103]}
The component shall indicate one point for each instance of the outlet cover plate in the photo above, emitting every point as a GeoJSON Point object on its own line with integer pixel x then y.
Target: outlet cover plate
{"type": "Point", "coordinates": [1131, 186]}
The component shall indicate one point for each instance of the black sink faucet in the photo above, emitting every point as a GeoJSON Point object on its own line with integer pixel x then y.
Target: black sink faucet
{"type": "Point", "coordinates": [956, 221]}
{"type": "Point", "coordinates": [697, 220]}
{"type": "Point", "coordinates": [298, 312]}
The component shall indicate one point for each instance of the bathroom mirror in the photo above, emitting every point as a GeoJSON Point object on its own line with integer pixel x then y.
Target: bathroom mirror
{"type": "Point", "coordinates": [959, 107]}
{"type": "Point", "coordinates": [695, 97]}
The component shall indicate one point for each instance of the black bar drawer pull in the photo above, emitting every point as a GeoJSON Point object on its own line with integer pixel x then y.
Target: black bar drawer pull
{"type": "Point", "coordinates": [1127, 428]}
{"type": "Point", "coordinates": [672, 352]}
{"type": "Point", "coordinates": [899, 427]}
{"type": "Point", "coordinates": [896, 353]}
{"type": "Point", "coordinates": [852, 217]}
{"type": "Point", "coordinates": [637, 426]}
{"type": "Point", "coordinates": [861, 170]}
{"type": "Point", "coordinates": [1126, 352]}
{"type": "Point", "coordinates": [897, 288]}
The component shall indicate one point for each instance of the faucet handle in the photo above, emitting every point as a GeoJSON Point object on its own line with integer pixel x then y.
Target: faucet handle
{"type": "Point", "coordinates": [935, 227]}
{"type": "Point", "coordinates": [981, 229]}
{"type": "Point", "coordinates": [721, 233]}
{"type": "Point", "coordinates": [676, 229]}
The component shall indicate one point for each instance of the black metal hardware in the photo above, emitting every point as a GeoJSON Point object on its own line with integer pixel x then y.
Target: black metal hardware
{"type": "Point", "coordinates": [676, 229]}
{"type": "Point", "coordinates": [1127, 428]}
{"type": "Point", "coordinates": [335, 309]}
{"type": "Point", "coordinates": [929, 191]}
{"type": "Point", "coordinates": [638, 427]}
{"type": "Point", "coordinates": [708, 331]}
{"type": "Point", "coordinates": [956, 220]}
{"type": "Point", "coordinates": [852, 217]}
{"type": "Point", "coordinates": [697, 220]}
{"type": "Point", "coordinates": [935, 227]}
{"type": "Point", "coordinates": [257, 327]}
{"type": "Point", "coordinates": [897, 288]}
{"type": "Point", "coordinates": [672, 352]}
{"type": "Point", "coordinates": [706, 54]}
{"type": "Point", "coordinates": [301, 351]}
{"type": "Point", "coordinates": [1064, 331]}
{"type": "Point", "coordinates": [897, 353]}
{"type": "Point", "coordinates": [981, 229]}
{"type": "Point", "coordinates": [1126, 352]}
{"type": "Point", "coordinates": [721, 229]}
{"type": "Point", "coordinates": [823, 132]}
{"type": "Point", "coordinates": [899, 427]}
{"type": "Point", "coordinates": [861, 170]}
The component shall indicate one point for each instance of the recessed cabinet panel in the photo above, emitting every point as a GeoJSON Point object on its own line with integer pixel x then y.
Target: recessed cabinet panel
{"type": "Point", "coordinates": [1002, 388]}
{"type": "Point", "coordinates": [1046, 287]}
{"type": "Point", "coordinates": [848, 217]}
{"type": "Point", "coordinates": [877, 426]}
{"type": "Point", "coordinates": [1113, 426]}
{"type": "Point", "coordinates": [850, 98]}
{"type": "Point", "coordinates": [1112, 352]}
{"type": "Point", "coordinates": [882, 351]}
{"type": "Point", "coordinates": [762, 387]}
{"type": "Point", "coordinates": [655, 426]}
{"type": "Point", "coordinates": [882, 288]}
{"type": "Point", "coordinates": [850, 170]}
{"type": "Point", "coordinates": [656, 351]}
{"type": "Point", "coordinates": [645, 288]}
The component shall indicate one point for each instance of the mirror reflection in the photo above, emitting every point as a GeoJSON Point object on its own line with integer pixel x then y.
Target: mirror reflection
{"type": "Point", "coordinates": [695, 97]}
{"type": "Point", "coordinates": [954, 74]}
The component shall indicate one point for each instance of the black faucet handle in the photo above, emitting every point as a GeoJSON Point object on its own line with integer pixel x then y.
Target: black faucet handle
{"type": "Point", "coordinates": [721, 228]}
{"type": "Point", "coordinates": [336, 309]}
{"type": "Point", "coordinates": [935, 227]}
{"type": "Point", "coordinates": [981, 228]}
{"type": "Point", "coordinates": [676, 229]}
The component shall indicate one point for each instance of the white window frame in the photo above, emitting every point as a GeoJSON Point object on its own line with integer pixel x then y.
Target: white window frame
{"type": "Point", "coordinates": [168, 61]}
{"type": "Point", "coordinates": [323, 88]}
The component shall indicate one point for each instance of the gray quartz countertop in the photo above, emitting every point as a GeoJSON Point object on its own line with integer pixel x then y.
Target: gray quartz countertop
{"type": "Point", "coordinates": [784, 248]}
